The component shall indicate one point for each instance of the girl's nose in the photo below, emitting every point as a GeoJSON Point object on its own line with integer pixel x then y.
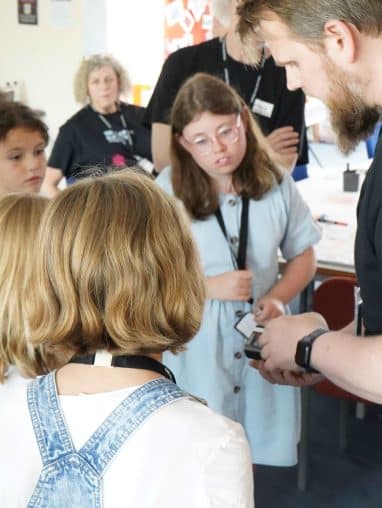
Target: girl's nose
{"type": "Point", "coordinates": [216, 144]}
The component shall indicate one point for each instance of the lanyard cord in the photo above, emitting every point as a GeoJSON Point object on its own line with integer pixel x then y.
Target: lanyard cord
{"type": "Point", "coordinates": [135, 362]}
{"type": "Point", "coordinates": [240, 259]}
{"type": "Point", "coordinates": [106, 122]}
{"type": "Point", "coordinates": [226, 71]}
{"type": "Point", "coordinates": [243, 233]}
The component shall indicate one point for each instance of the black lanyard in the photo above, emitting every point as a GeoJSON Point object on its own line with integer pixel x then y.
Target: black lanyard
{"type": "Point", "coordinates": [259, 77]}
{"type": "Point", "coordinates": [243, 233]}
{"type": "Point", "coordinates": [132, 362]}
{"type": "Point", "coordinates": [126, 139]}
{"type": "Point", "coordinates": [240, 259]}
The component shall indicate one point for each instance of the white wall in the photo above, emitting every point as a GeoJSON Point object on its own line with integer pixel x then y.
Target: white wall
{"type": "Point", "coordinates": [135, 35]}
{"type": "Point", "coordinates": [43, 58]}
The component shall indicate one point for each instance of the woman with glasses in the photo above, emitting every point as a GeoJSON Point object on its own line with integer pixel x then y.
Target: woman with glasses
{"type": "Point", "coordinates": [243, 210]}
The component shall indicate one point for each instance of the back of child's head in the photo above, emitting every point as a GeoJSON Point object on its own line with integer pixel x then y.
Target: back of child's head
{"type": "Point", "coordinates": [15, 115]}
{"type": "Point", "coordinates": [20, 217]}
{"type": "Point", "coordinates": [117, 270]}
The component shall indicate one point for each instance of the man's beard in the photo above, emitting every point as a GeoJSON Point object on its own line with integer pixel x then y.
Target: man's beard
{"type": "Point", "coordinates": [351, 118]}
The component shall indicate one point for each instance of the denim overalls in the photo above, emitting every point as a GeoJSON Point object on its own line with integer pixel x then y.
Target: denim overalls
{"type": "Point", "coordinates": [72, 478]}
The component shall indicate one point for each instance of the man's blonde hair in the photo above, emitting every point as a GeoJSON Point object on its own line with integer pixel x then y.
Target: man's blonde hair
{"type": "Point", "coordinates": [118, 270]}
{"type": "Point", "coordinates": [88, 65]}
{"type": "Point", "coordinates": [20, 217]}
{"type": "Point", "coordinates": [307, 18]}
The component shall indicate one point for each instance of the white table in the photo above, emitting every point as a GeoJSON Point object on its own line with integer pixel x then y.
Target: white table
{"type": "Point", "coordinates": [323, 192]}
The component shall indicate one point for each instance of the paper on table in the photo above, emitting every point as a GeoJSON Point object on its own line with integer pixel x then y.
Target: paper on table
{"type": "Point", "coordinates": [324, 195]}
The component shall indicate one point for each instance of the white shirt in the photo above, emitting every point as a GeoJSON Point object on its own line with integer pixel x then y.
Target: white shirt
{"type": "Point", "coordinates": [184, 455]}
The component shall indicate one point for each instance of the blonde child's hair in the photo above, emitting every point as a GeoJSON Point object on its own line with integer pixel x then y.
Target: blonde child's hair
{"type": "Point", "coordinates": [117, 270]}
{"type": "Point", "coordinates": [20, 217]}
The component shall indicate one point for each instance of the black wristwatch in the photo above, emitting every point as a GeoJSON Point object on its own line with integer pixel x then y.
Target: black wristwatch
{"type": "Point", "coordinates": [304, 349]}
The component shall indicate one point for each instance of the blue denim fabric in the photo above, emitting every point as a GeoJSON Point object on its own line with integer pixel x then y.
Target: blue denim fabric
{"type": "Point", "coordinates": [72, 478]}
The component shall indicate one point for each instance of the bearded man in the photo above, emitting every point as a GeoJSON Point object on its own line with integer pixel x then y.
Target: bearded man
{"type": "Point", "coordinates": [331, 49]}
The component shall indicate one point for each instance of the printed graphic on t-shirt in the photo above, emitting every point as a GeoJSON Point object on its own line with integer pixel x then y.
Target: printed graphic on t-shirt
{"type": "Point", "coordinates": [123, 136]}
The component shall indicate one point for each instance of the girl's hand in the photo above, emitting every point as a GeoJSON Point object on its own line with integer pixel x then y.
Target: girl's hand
{"type": "Point", "coordinates": [234, 286]}
{"type": "Point", "coordinates": [267, 308]}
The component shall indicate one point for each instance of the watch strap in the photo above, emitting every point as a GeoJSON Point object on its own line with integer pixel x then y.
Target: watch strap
{"type": "Point", "coordinates": [304, 349]}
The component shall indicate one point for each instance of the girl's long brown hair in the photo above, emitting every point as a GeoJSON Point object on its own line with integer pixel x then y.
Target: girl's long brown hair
{"type": "Point", "coordinates": [256, 174]}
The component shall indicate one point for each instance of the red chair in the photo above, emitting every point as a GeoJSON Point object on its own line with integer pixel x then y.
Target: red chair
{"type": "Point", "coordinates": [334, 299]}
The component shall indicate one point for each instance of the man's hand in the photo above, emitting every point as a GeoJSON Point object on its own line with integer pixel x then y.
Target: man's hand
{"type": "Point", "coordinates": [280, 337]}
{"type": "Point", "coordinates": [284, 142]}
{"type": "Point", "coordinates": [234, 286]}
{"type": "Point", "coordinates": [286, 377]}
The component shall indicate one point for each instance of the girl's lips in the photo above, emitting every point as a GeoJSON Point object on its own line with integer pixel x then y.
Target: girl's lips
{"type": "Point", "coordinates": [34, 179]}
{"type": "Point", "coordinates": [222, 161]}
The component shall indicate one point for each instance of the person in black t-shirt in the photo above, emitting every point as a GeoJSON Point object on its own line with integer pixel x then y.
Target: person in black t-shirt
{"type": "Point", "coordinates": [106, 132]}
{"type": "Point", "coordinates": [279, 112]}
{"type": "Point", "coordinates": [332, 50]}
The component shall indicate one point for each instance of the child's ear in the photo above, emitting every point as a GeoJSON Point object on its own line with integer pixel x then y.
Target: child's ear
{"type": "Point", "coordinates": [181, 141]}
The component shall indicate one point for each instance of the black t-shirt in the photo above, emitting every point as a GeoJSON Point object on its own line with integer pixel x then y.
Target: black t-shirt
{"type": "Point", "coordinates": [368, 245]}
{"type": "Point", "coordinates": [288, 107]}
{"type": "Point", "coordinates": [85, 141]}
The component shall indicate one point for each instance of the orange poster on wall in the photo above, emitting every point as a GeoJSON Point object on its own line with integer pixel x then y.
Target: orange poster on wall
{"type": "Point", "coordinates": [187, 22]}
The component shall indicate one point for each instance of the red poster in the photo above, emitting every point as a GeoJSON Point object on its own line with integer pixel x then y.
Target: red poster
{"type": "Point", "coordinates": [187, 22]}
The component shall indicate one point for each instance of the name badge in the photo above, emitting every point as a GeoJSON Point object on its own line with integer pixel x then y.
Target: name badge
{"type": "Point", "coordinates": [263, 108]}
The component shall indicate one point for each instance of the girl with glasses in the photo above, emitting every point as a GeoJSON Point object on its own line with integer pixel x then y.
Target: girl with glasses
{"type": "Point", "coordinates": [243, 209]}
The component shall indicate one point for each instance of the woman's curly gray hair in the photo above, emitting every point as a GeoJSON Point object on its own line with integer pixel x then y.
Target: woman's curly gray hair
{"type": "Point", "coordinates": [89, 64]}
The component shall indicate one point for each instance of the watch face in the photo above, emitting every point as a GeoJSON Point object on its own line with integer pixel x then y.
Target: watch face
{"type": "Point", "coordinates": [300, 356]}
{"type": "Point", "coordinates": [304, 349]}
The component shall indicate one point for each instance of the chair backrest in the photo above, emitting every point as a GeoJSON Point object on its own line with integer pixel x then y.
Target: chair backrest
{"type": "Point", "coordinates": [334, 299]}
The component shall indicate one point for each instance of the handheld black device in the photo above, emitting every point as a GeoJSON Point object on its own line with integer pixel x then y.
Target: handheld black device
{"type": "Point", "coordinates": [248, 327]}
{"type": "Point", "coordinates": [252, 348]}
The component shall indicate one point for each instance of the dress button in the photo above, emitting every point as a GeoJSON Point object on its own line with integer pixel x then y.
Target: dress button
{"type": "Point", "coordinates": [232, 202]}
{"type": "Point", "coordinates": [236, 389]}
{"type": "Point", "coordinates": [234, 240]}
{"type": "Point", "coordinates": [239, 313]}
{"type": "Point", "coordinates": [238, 355]}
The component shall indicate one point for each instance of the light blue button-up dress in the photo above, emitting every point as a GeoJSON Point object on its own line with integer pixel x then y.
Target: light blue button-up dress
{"type": "Point", "coordinates": [214, 366]}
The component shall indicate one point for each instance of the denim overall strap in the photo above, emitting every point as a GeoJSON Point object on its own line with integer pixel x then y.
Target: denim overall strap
{"type": "Point", "coordinates": [71, 478]}
{"type": "Point", "coordinates": [47, 419]}
{"type": "Point", "coordinates": [103, 445]}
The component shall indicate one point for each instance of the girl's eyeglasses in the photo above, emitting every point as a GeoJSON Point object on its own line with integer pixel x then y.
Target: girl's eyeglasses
{"type": "Point", "coordinates": [226, 134]}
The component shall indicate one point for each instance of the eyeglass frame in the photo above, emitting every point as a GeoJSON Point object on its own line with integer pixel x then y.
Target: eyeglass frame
{"type": "Point", "coordinates": [193, 145]}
